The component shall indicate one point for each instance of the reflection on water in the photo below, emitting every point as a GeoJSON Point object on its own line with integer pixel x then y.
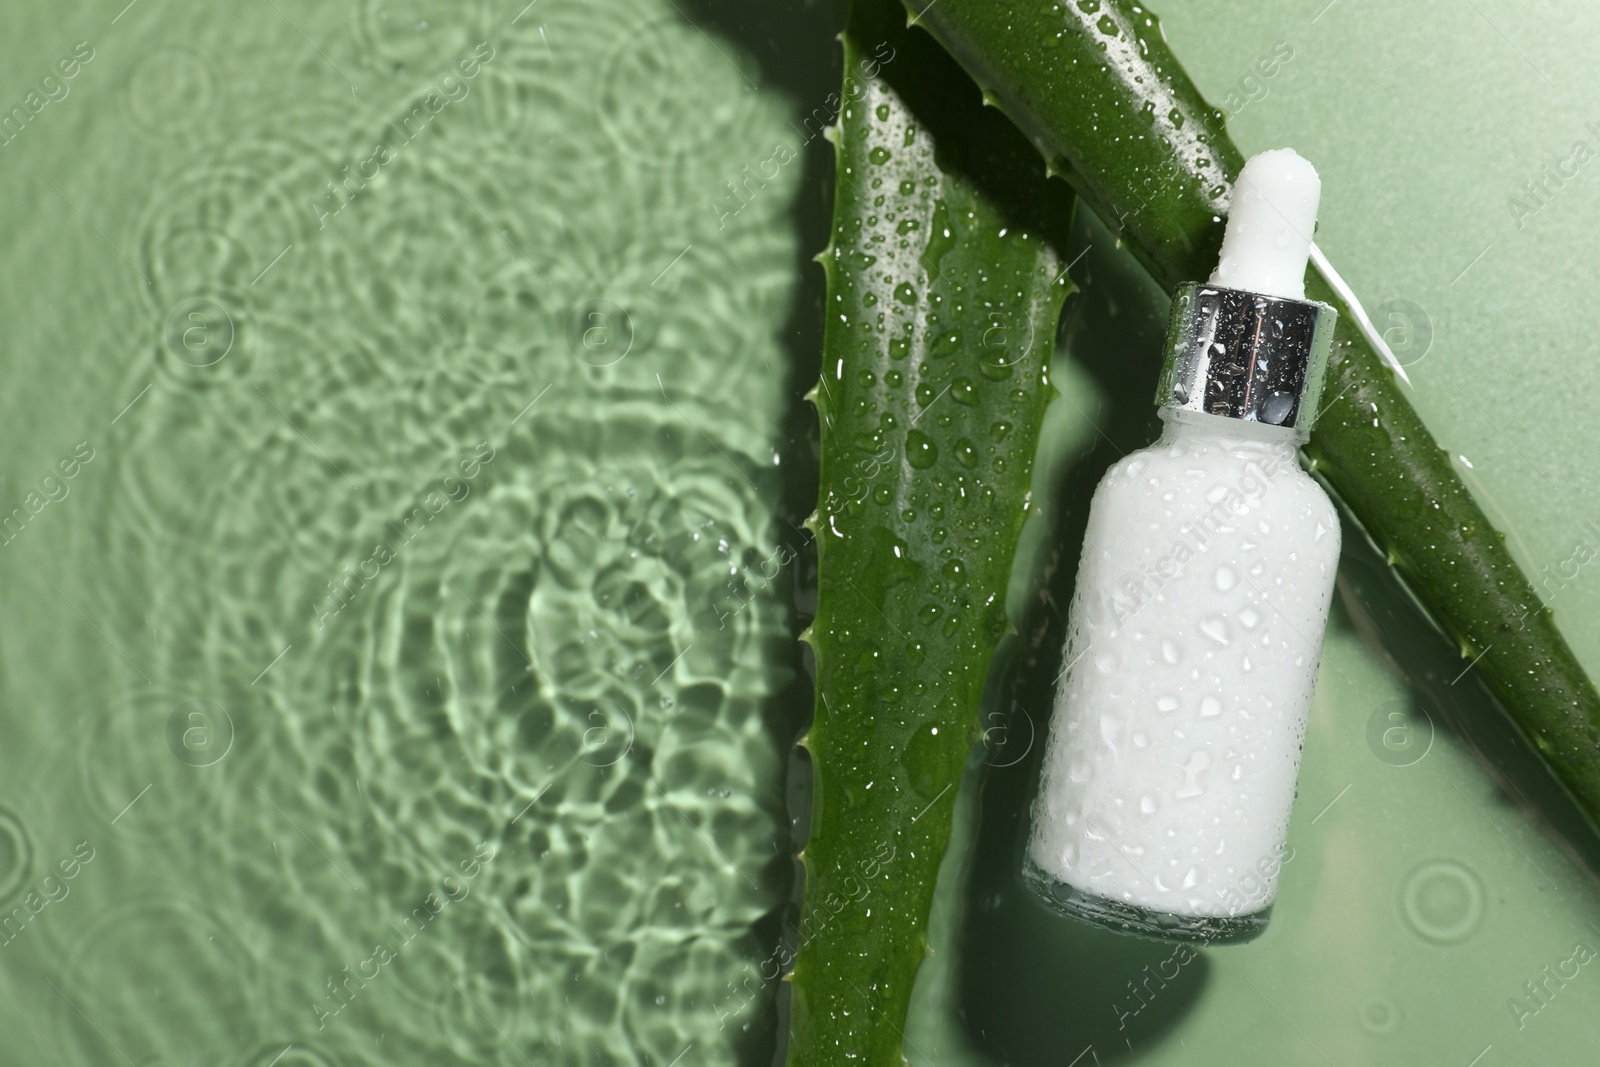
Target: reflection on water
{"type": "Point", "coordinates": [419, 677]}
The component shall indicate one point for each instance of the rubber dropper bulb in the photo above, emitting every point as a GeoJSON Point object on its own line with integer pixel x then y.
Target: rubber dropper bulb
{"type": "Point", "coordinates": [1270, 223]}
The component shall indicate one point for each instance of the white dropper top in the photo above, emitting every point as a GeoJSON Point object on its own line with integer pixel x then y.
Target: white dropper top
{"type": "Point", "coordinates": [1274, 213]}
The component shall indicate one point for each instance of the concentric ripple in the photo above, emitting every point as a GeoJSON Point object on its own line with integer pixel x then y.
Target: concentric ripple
{"type": "Point", "coordinates": [452, 715]}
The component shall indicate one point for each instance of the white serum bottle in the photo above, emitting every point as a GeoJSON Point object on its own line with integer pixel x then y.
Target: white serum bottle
{"type": "Point", "coordinates": [1202, 594]}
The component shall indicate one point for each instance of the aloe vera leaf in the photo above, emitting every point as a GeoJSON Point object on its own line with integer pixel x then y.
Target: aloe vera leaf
{"type": "Point", "coordinates": [944, 288]}
{"type": "Point", "coordinates": [1093, 84]}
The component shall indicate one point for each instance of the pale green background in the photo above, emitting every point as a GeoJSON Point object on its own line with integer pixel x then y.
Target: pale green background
{"type": "Point", "coordinates": [629, 909]}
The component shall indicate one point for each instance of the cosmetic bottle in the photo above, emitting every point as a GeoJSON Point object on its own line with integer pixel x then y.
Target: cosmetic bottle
{"type": "Point", "coordinates": [1202, 594]}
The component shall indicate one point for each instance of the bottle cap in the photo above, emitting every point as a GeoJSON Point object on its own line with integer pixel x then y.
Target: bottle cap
{"type": "Point", "coordinates": [1247, 344]}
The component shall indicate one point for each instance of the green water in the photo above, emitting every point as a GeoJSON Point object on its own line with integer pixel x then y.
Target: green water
{"type": "Point", "coordinates": [394, 670]}
{"type": "Point", "coordinates": [522, 401]}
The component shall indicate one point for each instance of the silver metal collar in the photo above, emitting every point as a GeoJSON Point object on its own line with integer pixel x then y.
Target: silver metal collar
{"type": "Point", "coordinates": [1246, 355]}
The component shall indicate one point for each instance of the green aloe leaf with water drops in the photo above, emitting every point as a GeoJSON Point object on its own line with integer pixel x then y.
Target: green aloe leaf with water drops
{"type": "Point", "coordinates": [1095, 87]}
{"type": "Point", "coordinates": [903, 637]}
{"type": "Point", "coordinates": [945, 284]}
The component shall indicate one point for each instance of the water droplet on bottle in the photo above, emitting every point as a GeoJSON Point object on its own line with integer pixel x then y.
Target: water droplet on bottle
{"type": "Point", "coordinates": [1277, 408]}
{"type": "Point", "coordinates": [1210, 707]}
{"type": "Point", "coordinates": [1225, 578]}
{"type": "Point", "coordinates": [1198, 763]}
{"type": "Point", "coordinates": [1109, 727]}
{"type": "Point", "coordinates": [1248, 618]}
{"type": "Point", "coordinates": [1216, 628]}
{"type": "Point", "coordinates": [879, 155]}
{"type": "Point", "coordinates": [1170, 651]}
{"type": "Point", "coordinates": [1147, 804]}
{"type": "Point", "coordinates": [1167, 704]}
